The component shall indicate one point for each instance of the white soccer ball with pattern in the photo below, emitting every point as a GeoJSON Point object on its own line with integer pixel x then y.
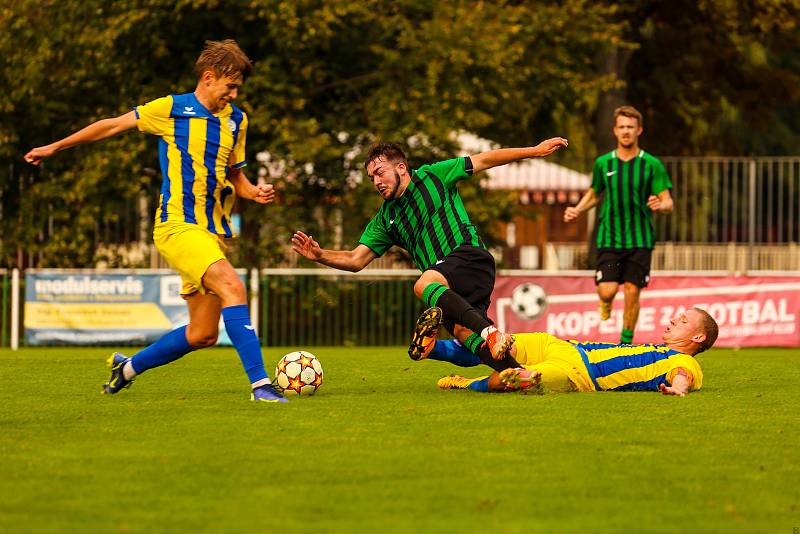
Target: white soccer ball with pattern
{"type": "Point", "coordinates": [298, 372]}
{"type": "Point", "coordinates": [528, 301]}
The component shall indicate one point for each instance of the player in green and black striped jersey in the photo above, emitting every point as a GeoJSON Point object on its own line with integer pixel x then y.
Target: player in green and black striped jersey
{"type": "Point", "coordinates": [634, 185]}
{"type": "Point", "coordinates": [424, 214]}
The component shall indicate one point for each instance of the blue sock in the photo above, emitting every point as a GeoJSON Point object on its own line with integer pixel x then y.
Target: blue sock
{"type": "Point", "coordinates": [454, 352]}
{"type": "Point", "coordinates": [168, 348]}
{"type": "Point", "coordinates": [480, 385]}
{"type": "Point", "coordinates": [243, 336]}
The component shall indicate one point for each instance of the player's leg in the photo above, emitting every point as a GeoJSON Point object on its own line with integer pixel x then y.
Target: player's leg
{"type": "Point", "coordinates": [424, 343]}
{"type": "Point", "coordinates": [606, 291]}
{"type": "Point", "coordinates": [434, 289]}
{"type": "Point", "coordinates": [462, 285]}
{"type": "Point", "coordinates": [480, 384]}
{"type": "Point", "coordinates": [453, 351]}
{"type": "Point", "coordinates": [475, 344]}
{"type": "Point", "coordinates": [551, 377]}
{"type": "Point", "coordinates": [635, 275]}
{"type": "Point", "coordinates": [221, 279]}
{"type": "Point", "coordinates": [513, 379]}
{"type": "Point", "coordinates": [201, 332]}
{"type": "Point", "coordinates": [607, 278]}
{"type": "Point", "coordinates": [631, 314]}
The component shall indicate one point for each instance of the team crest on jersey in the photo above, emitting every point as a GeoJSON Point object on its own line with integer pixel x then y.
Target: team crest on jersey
{"type": "Point", "coordinates": [232, 125]}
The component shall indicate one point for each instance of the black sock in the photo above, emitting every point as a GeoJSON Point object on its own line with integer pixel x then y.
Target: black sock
{"type": "Point", "coordinates": [454, 307]}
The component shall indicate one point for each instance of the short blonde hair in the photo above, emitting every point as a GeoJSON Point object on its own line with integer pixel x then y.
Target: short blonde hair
{"type": "Point", "coordinates": [710, 329]}
{"type": "Point", "coordinates": [223, 58]}
{"type": "Point", "coordinates": [630, 112]}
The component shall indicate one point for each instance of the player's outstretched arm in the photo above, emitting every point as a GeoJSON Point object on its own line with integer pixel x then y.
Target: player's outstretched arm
{"type": "Point", "coordinates": [97, 131]}
{"type": "Point", "coordinates": [587, 202]}
{"type": "Point", "coordinates": [680, 385]}
{"type": "Point", "coordinates": [346, 260]}
{"type": "Point", "coordinates": [503, 156]}
{"type": "Point", "coordinates": [261, 193]}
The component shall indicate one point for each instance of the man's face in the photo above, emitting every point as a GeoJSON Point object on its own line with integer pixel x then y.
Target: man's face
{"type": "Point", "coordinates": [627, 131]}
{"type": "Point", "coordinates": [385, 175]}
{"type": "Point", "coordinates": [221, 90]}
{"type": "Point", "coordinates": [686, 326]}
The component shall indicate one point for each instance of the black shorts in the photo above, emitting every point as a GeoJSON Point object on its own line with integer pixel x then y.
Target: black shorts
{"type": "Point", "coordinates": [470, 272]}
{"type": "Point", "coordinates": [626, 265]}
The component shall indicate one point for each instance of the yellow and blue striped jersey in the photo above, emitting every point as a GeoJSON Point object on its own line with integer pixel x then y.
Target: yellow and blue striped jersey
{"type": "Point", "coordinates": [623, 367]}
{"type": "Point", "coordinates": [196, 150]}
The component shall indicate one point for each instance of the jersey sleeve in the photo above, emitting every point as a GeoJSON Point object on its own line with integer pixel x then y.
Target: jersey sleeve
{"type": "Point", "coordinates": [661, 181]}
{"type": "Point", "coordinates": [238, 159]}
{"type": "Point", "coordinates": [598, 184]}
{"type": "Point", "coordinates": [690, 367]}
{"type": "Point", "coordinates": [376, 236]}
{"type": "Point", "coordinates": [153, 117]}
{"type": "Point", "coordinates": [450, 171]}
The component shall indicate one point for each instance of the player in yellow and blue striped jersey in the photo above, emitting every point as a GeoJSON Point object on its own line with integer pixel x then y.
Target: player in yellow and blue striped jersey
{"type": "Point", "coordinates": [201, 152]}
{"type": "Point", "coordinates": [552, 364]}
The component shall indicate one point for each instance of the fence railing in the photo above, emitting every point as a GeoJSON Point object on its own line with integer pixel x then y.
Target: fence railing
{"type": "Point", "coordinates": [733, 200]}
{"type": "Point", "coordinates": [327, 307]}
{"type": "Point", "coordinates": [5, 310]}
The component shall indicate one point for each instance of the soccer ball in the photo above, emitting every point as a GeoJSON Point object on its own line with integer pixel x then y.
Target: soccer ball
{"type": "Point", "coordinates": [298, 372]}
{"type": "Point", "coordinates": [529, 301]}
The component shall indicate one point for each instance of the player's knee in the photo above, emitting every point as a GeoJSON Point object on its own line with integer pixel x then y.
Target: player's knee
{"type": "Point", "coordinates": [231, 289]}
{"type": "Point", "coordinates": [606, 294]}
{"type": "Point", "coordinates": [208, 340]}
{"type": "Point", "coordinates": [202, 339]}
{"type": "Point", "coordinates": [632, 290]}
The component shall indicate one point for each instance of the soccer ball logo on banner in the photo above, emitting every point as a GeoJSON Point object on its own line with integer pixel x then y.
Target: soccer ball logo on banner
{"type": "Point", "coordinates": [298, 372]}
{"type": "Point", "coordinates": [528, 301]}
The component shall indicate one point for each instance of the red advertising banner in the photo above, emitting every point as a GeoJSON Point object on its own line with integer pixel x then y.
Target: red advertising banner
{"type": "Point", "coordinates": [752, 311]}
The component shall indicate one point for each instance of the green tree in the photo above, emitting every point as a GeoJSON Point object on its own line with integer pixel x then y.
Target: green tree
{"type": "Point", "coordinates": [331, 77]}
{"type": "Point", "coordinates": [713, 77]}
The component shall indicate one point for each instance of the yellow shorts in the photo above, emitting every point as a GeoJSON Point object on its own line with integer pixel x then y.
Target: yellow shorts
{"type": "Point", "coordinates": [559, 362]}
{"type": "Point", "coordinates": [190, 250]}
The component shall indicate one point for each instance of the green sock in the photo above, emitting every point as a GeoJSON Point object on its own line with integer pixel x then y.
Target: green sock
{"type": "Point", "coordinates": [473, 342]}
{"type": "Point", "coordinates": [432, 292]}
{"type": "Point", "coordinates": [626, 336]}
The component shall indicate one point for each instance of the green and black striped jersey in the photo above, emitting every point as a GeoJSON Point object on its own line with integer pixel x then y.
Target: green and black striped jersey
{"type": "Point", "coordinates": [429, 220]}
{"type": "Point", "coordinates": [625, 220]}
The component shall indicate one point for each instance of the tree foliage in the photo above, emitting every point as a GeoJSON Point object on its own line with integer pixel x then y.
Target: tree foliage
{"type": "Point", "coordinates": [332, 76]}
{"type": "Point", "coordinates": [715, 77]}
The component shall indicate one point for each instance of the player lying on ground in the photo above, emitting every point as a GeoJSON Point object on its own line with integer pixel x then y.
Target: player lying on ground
{"type": "Point", "coordinates": [202, 153]}
{"type": "Point", "coordinates": [423, 213]}
{"type": "Point", "coordinates": [555, 365]}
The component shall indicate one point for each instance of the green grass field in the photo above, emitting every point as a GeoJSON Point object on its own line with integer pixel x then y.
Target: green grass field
{"type": "Point", "coordinates": [381, 448]}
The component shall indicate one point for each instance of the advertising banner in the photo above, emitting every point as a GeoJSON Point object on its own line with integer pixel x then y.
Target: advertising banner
{"type": "Point", "coordinates": [115, 308]}
{"type": "Point", "coordinates": [751, 311]}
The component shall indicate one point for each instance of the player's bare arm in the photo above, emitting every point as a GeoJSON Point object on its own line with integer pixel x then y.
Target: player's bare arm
{"type": "Point", "coordinates": [346, 260]}
{"type": "Point", "coordinates": [97, 131]}
{"type": "Point", "coordinates": [587, 202]}
{"type": "Point", "coordinates": [260, 193]}
{"type": "Point", "coordinates": [680, 385]}
{"type": "Point", "coordinates": [503, 156]}
{"type": "Point", "coordinates": [661, 203]}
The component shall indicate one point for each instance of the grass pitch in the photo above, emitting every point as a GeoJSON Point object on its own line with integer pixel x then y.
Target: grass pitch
{"type": "Point", "coordinates": [381, 448]}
